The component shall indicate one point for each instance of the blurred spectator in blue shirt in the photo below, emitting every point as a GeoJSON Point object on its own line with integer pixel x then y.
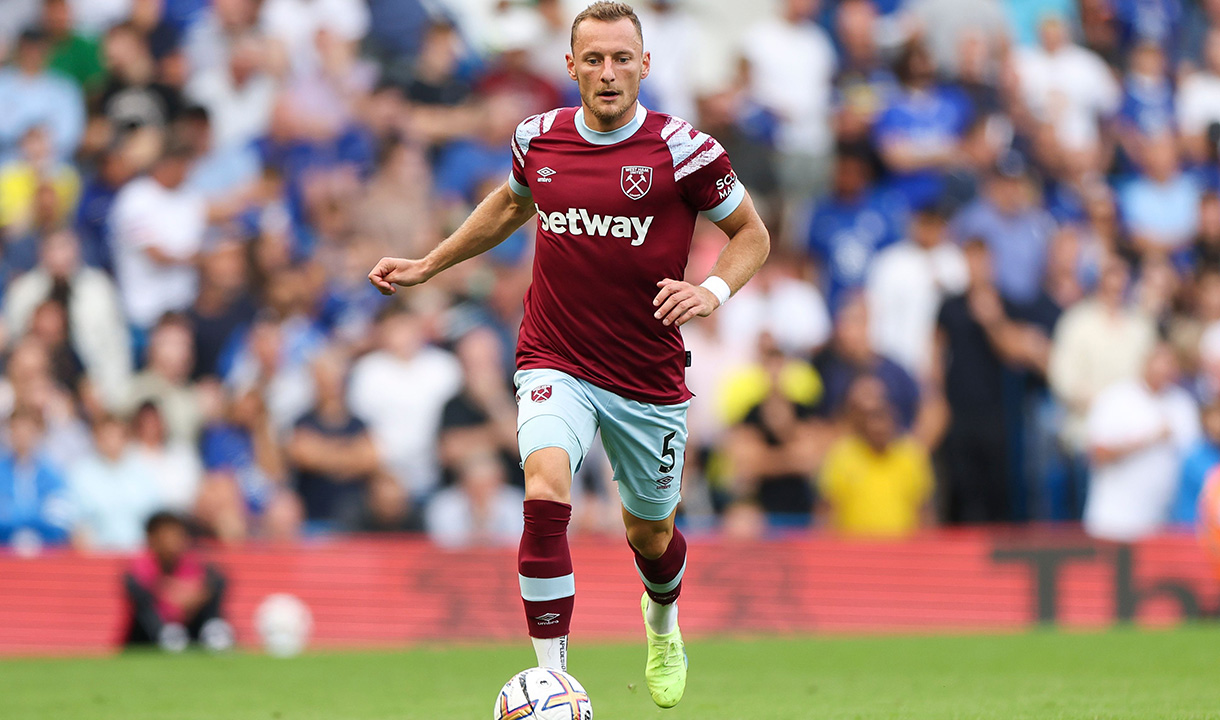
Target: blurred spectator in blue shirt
{"type": "Point", "coordinates": [331, 452]}
{"type": "Point", "coordinates": [31, 95]}
{"type": "Point", "coordinates": [864, 84]}
{"type": "Point", "coordinates": [34, 508]}
{"type": "Point", "coordinates": [1025, 17]}
{"type": "Point", "coordinates": [1018, 231]}
{"type": "Point", "coordinates": [850, 355]}
{"type": "Point", "coordinates": [1158, 21]}
{"type": "Point", "coordinates": [464, 164]}
{"type": "Point", "coordinates": [397, 27]}
{"type": "Point", "coordinates": [1148, 103]}
{"type": "Point", "coordinates": [224, 308]}
{"type": "Point", "coordinates": [113, 490]}
{"type": "Point", "coordinates": [1200, 460]}
{"type": "Point", "coordinates": [436, 77]}
{"type": "Point", "coordinates": [244, 490]}
{"type": "Point", "coordinates": [93, 213]}
{"type": "Point", "coordinates": [1161, 206]}
{"type": "Point", "coordinates": [1200, 20]}
{"type": "Point", "coordinates": [852, 224]}
{"type": "Point", "coordinates": [918, 135]}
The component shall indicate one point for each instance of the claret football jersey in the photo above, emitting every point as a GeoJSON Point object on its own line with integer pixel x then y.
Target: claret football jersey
{"type": "Point", "coordinates": [616, 212]}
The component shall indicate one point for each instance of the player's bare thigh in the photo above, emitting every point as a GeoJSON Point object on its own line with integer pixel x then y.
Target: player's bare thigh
{"type": "Point", "coordinates": [548, 475]}
{"type": "Point", "coordinates": [649, 537]}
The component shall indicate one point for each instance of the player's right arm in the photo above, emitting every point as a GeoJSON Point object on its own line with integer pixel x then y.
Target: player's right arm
{"type": "Point", "coordinates": [499, 215]}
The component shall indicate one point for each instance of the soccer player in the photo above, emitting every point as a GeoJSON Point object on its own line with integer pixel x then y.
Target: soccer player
{"type": "Point", "coordinates": [617, 189]}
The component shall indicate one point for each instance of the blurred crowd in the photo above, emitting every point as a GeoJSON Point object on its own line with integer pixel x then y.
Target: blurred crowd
{"type": "Point", "coordinates": [993, 295]}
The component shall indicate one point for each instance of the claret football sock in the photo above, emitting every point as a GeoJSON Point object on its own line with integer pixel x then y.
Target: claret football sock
{"type": "Point", "coordinates": [662, 579]}
{"type": "Point", "coordinates": [548, 588]}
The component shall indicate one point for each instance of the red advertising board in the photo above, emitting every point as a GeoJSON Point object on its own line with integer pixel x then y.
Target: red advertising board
{"type": "Point", "coordinates": [399, 591]}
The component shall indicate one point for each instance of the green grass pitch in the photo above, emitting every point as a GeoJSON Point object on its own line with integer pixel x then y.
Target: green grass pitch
{"type": "Point", "coordinates": [1043, 675]}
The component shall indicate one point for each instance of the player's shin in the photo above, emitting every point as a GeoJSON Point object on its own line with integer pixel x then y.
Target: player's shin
{"type": "Point", "coordinates": [548, 587]}
{"type": "Point", "coordinates": [662, 579]}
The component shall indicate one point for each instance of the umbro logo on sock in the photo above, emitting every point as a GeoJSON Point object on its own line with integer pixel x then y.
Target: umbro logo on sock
{"type": "Point", "coordinates": [547, 619]}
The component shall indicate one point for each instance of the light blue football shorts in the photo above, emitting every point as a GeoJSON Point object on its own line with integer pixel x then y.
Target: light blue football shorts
{"type": "Point", "coordinates": [646, 443]}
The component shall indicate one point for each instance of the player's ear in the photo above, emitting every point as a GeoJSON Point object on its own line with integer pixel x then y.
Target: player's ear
{"type": "Point", "coordinates": [646, 66]}
{"type": "Point", "coordinates": [571, 66]}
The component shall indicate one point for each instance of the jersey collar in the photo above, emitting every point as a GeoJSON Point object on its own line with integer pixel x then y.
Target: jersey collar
{"type": "Point", "coordinates": [614, 136]}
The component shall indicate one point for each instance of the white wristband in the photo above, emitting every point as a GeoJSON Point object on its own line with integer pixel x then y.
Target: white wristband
{"type": "Point", "coordinates": [718, 287]}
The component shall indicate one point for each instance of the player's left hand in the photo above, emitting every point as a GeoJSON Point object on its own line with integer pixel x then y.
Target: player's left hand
{"type": "Point", "coordinates": [679, 301]}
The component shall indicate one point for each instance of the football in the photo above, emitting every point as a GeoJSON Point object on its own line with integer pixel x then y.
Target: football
{"type": "Point", "coordinates": [543, 694]}
{"type": "Point", "coordinates": [283, 623]}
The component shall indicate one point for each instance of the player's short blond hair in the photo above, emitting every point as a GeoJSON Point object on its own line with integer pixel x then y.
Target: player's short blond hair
{"type": "Point", "coordinates": [607, 11]}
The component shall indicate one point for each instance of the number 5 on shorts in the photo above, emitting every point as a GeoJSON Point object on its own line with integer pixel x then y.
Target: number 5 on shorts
{"type": "Point", "coordinates": [667, 454]}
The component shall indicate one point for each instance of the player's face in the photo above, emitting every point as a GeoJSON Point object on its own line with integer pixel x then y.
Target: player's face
{"type": "Point", "coordinates": [607, 62]}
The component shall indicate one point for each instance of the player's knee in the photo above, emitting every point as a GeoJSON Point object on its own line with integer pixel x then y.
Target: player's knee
{"type": "Point", "coordinates": [548, 476]}
{"type": "Point", "coordinates": [650, 539]}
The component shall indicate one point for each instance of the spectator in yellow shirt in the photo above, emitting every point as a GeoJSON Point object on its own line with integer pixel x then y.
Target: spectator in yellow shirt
{"type": "Point", "coordinates": [21, 180]}
{"type": "Point", "coordinates": [874, 483]}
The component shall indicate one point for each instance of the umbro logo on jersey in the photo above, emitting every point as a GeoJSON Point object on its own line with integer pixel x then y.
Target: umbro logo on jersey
{"type": "Point", "coordinates": [636, 180]}
{"type": "Point", "coordinates": [544, 175]}
{"type": "Point", "coordinates": [547, 619]}
{"type": "Point", "coordinates": [578, 221]}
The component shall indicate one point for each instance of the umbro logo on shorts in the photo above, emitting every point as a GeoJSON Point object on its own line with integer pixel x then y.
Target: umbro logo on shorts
{"type": "Point", "coordinates": [665, 482]}
{"type": "Point", "coordinates": [547, 619]}
{"type": "Point", "coordinates": [541, 393]}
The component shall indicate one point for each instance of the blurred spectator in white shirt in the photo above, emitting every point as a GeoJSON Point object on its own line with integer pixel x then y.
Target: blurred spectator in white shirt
{"type": "Point", "coordinates": [95, 319]}
{"type": "Point", "coordinates": [790, 64]}
{"type": "Point", "coordinates": [547, 56]}
{"type": "Point", "coordinates": [1199, 101]}
{"type": "Point", "coordinates": [175, 465]}
{"type": "Point", "coordinates": [238, 93]}
{"type": "Point", "coordinates": [905, 288]}
{"type": "Point", "coordinates": [1067, 87]}
{"type": "Point", "coordinates": [295, 25]}
{"type": "Point", "coordinates": [480, 510]}
{"type": "Point", "coordinates": [17, 16]}
{"type": "Point", "coordinates": [94, 17]}
{"type": "Point", "coordinates": [942, 23]}
{"type": "Point", "coordinates": [1100, 341]}
{"type": "Point", "coordinates": [672, 38]}
{"type": "Point", "coordinates": [113, 491]}
{"type": "Point", "coordinates": [157, 226]}
{"type": "Point", "coordinates": [210, 42]}
{"type": "Point", "coordinates": [166, 380]}
{"type": "Point", "coordinates": [399, 392]}
{"type": "Point", "coordinates": [1138, 433]}
{"type": "Point", "coordinates": [29, 383]}
{"type": "Point", "coordinates": [780, 303]}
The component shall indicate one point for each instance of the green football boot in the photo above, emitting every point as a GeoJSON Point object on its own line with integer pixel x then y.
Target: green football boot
{"type": "Point", "coordinates": [666, 668]}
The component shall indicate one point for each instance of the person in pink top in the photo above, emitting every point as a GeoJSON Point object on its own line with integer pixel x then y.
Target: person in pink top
{"type": "Point", "coordinates": [173, 597]}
